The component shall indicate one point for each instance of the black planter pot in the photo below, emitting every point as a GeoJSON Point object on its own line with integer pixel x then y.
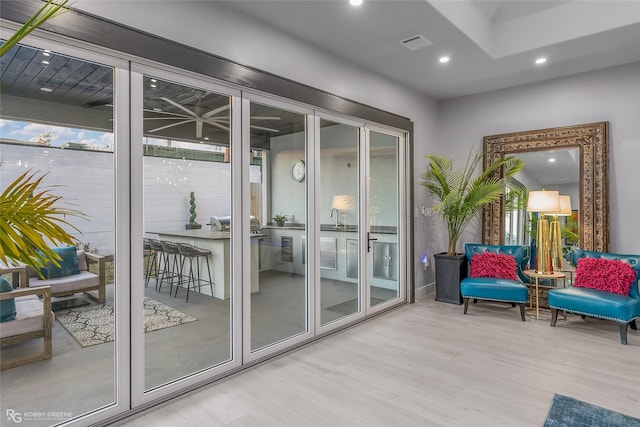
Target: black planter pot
{"type": "Point", "coordinates": [450, 270]}
{"type": "Point", "coordinates": [193, 226]}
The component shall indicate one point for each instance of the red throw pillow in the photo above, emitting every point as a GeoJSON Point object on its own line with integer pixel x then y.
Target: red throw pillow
{"type": "Point", "coordinates": [605, 274]}
{"type": "Point", "coordinates": [490, 264]}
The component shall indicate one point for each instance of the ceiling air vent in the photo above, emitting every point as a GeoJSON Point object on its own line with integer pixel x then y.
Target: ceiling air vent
{"type": "Point", "coordinates": [416, 42]}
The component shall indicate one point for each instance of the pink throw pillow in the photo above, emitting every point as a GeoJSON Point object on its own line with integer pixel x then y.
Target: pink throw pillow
{"type": "Point", "coordinates": [605, 275]}
{"type": "Point", "coordinates": [489, 264]}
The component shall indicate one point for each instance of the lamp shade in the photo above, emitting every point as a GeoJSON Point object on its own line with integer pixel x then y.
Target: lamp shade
{"type": "Point", "coordinates": [565, 206]}
{"type": "Point", "coordinates": [543, 201]}
{"type": "Point", "coordinates": [343, 202]}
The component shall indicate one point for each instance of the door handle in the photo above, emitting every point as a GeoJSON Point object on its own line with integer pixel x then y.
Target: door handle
{"type": "Point", "coordinates": [369, 239]}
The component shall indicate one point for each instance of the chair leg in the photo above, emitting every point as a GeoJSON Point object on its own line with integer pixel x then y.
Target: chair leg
{"type": "Point", "coordinates": [180, 273]}
{"type": "Point", "coordinates": [633, 325]}
{"type": "Point", "coordinates": [191, 278]}
{"type": "Point", "coordinates": [554, 316]}
{"type": "Point", "coordinates": [623, 332]}
{"type": "Point", "coordinates": [151, 260]}
{"type": "Point", "coordinates": [210, 280]}
{"type": "Point", "coordinates": [522, 311]}
{"type": "Point", "coordinates": [466, 305]}
{"type": "Point", "coordinates": [513, 304]}
{"type": "Point", "coordinates": [475, 300]}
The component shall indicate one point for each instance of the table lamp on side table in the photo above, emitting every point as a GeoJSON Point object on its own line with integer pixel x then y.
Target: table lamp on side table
{"type": "Point", "coordinates": [543, 202]}
{"type": "Point", "coordinates": [556, 232]}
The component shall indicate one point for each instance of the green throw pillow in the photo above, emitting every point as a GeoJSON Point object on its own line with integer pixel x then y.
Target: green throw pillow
{"type": "Point", "coordinates": [68, 263]}
{"type": "Point", "coordinates": [7, 306]}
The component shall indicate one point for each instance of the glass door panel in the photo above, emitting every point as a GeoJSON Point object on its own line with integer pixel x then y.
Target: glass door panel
{"type": "Point", "coordinates": [279, 287]}
{"type": "Point", "coordinates": [58, 124]}
{"type": "Point", "coordinates": [339, 204]}
{"type": "Point", "coordinates": [187, 224]}
{"type": "Point", "coordinates": [384, 181]}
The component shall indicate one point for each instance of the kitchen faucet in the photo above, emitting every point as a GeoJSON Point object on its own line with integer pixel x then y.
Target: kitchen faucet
{"type": "Point", "coordinates": [331, 216]}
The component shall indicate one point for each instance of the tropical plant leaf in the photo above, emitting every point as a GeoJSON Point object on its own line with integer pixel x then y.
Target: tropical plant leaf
{"type": "Point", "coordinates": [32, 220]}
{"type": "Point", "coordinates": [49, 10]}
{"type": "Point", "coordinates": [460, 196]}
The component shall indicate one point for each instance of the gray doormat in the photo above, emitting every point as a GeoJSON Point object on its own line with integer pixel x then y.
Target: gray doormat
{"type": "Point", "coordinates": [569, 412]}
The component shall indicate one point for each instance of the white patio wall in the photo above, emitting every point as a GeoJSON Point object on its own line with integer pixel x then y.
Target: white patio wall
{"type": "Point", "coordinates": [85, 180]}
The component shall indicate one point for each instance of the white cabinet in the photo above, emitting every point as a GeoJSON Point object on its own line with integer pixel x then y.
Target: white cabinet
{"type": "Point", "coordinates": [385, 265]}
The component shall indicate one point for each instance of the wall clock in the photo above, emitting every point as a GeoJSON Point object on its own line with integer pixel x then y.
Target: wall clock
{"type": "Point", "coordinates": [298, 170]}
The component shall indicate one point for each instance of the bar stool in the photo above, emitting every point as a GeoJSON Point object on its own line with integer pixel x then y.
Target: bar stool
{"type": "Point", "coordinates": [159, 256]}
{"type": "Point", "coordinates": [172, 262]}
{"type": "Point", "coordinates": [151, 255]}
{"type": "Point", "coordinates": [192, 252]}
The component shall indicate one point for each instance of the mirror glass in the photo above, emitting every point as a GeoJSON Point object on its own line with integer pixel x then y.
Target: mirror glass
{"type": "Point", "coordinates": [580, 169]}
{"type": "Point", "coordinates": [557, 169]}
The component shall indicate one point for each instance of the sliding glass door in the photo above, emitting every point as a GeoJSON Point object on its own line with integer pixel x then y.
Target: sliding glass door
{"type": "Point", "coordinates": [184, 292]}
{"type": "Point", "coordinates": [339, 245]}
{"type": "Point", "coordinates": [62, 134]}
{"type": "Point", "coordinates": [360, 249]}
{"type": "Point", "coordinates": [384, 207]}
{"type": "Point", "coordinates": [277, 292]}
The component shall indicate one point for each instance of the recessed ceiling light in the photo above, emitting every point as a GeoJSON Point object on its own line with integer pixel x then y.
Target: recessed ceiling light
{"type": "Point", "coordinates": [540, 61]}
{"type": "Point", "coordinates": [552, 159]}
{"type": "Point", "coordinates": [45, 53]}
{"type": "Point", "coordinates": [153, 86]}
{"type": "Point", "coordinates": [46, 89]}
{"type": "Point", "coordinates": [355, 2]}
{"type": "Point", "coordinates": [153, 80]}
{"type": "Point", "coordinates": [45, 62]}
{"type": "Point", "coordinates": [444, 59]}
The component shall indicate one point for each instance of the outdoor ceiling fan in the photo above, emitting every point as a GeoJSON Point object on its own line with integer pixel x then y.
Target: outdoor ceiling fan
{"type": "Point", "coordinates": [195, 116]}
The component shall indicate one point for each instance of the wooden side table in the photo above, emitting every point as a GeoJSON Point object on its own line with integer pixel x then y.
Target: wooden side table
{"type": "Point", "coordinates": [533, 274]}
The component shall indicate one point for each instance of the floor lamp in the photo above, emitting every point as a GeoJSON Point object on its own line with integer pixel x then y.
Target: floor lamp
{"type": "Point", "coordinates": [556, 232]}
{"type": "Point", "coordinates": [543, 202]}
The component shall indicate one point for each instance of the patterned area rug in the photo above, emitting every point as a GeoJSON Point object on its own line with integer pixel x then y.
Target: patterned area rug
{"type": "Point", "coordinates": [94, 325]}
{"type": "Point", "coordinates": [569, 412]}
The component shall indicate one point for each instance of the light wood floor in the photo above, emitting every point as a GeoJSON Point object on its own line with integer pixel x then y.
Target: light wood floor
{"type": "Point", "coordinates": [425, 364]}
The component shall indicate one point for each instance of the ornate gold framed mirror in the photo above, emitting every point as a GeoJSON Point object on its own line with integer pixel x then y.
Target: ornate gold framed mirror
{"type": "Point", "coordinates": [592, 141]}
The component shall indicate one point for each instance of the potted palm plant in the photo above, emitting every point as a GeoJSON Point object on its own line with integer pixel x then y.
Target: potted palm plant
{"type": "Point", "coordinates": [460, 197]}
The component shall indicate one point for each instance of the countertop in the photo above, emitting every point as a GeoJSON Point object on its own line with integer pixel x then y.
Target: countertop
{"type": "Point", "coordinates": [203, 233]}
{"type": "Point", "coordinates": [380, 229]}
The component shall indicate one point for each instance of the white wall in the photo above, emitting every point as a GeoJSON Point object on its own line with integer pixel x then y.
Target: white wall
{"type": "Point", "coordinates": [84, 180]}
{"type": "Point", "coordinates": [168, 183]}
{"type": "Point", "coordinates": [606, 95]}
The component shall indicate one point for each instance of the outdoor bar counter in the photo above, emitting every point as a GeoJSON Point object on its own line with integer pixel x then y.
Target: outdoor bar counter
{"type": "Point", "coordinates": [218, 242]}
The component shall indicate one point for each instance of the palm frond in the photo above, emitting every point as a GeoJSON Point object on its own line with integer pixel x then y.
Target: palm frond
{"type": "Point", "coordinates": [49, 10]}
{"type": "Point", "coordinates": [459, 195]}
{"type": "Point", "coordinates": [31, 220]}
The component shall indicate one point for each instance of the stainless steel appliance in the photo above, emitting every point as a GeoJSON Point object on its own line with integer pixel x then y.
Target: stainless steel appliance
{"type": "Point", "coordinates": [223, 223]}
